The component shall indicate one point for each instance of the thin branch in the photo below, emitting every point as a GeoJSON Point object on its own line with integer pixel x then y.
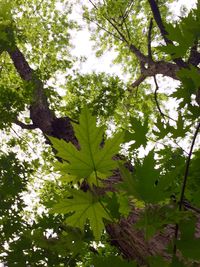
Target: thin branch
{"type": "Point", "coordinates": [93, 4]}
{"type": "Point", "coordinates": [188, 206]}
{"type": "Point", "coordinates": [157, 103]}
{"type": "Point", "coordinates": [163, 114]}
{"type": "Point", "coordinates": [149, 39]}
{"type": "Point", "coordinates": [126, 27]}
{"type": "Point", "coordinates": [24, 140]}
{"type": "Point", "coordinates": [127, 30]}
{"type": "Point", "coordinates": [181, 202]}
{"type": "Point", "coordinates": [128, 8]}
{"type": "Point", "coordinates": [113, 25]}
{"type": "Point", "coordinates": [117, 30]}
{"type": "Point", "coordinates": [157, 142]}
{"type": "Point", "coordinates": [141, 57]}
{"type": "Point", "coordinates": [101, 27]}
{"type": "Point", "coordinates": [158, 19]}
{"type": "Point", "coordinates": [187, 167]}
{"type": "Point", "coordinates": [24, 125]}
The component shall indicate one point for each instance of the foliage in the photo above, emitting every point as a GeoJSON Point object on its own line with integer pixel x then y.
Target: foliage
{"type": "Point", "coordinates": [94, 160]}
{"type": "Point", "coordinates": [121, 187]}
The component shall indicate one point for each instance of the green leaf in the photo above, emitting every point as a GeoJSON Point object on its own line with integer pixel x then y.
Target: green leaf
{"type": "Point", "coordinates": [176, 263]}
{"type": "Point", "coordinates": [180, 130]}
{"type": "Point", "coordinates": [110, 201]}
{"type": "Point", "coordinates": [174, 51]}
{"type": "Point", "coordinates": [158, 261]}
{"type": "Point", "coordinates": [145, 183]}
{"type": "Point", "coordinates": [124, 204]}
{"type": "Point", "coordinates": [92, 160]}
{"type": "Point", "coordinates": [182, 35]}
{"type": "Point", "coordinates": [139, 135]}
{"type": "Point", "coordinates": [162, 129]}
{"type": "Point", "coordinates": [109, 261]}
{"type": "Point", "coordinates": [85, 207]}
{"type": "Point", "coordinates": [188, 244]}
{"type": "Point", "coordinates": [154, 218]}
{"type": "Point", "coordinates": [190, 78]}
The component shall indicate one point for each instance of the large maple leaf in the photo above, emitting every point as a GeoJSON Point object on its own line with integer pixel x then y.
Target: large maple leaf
{"type": "Point", "coordinates": [92, 160]}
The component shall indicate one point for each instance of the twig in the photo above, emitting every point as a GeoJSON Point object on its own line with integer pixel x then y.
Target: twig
{"type": "Point", "coordinates": [141, 57]}
{"type": "Point", "coordinates": [157, 103]}
{"type": "Point", "coordinates": [165, 145]}
{"type": "Point", "coordinates": [109, 20]}
{"type": "Point", "coordinates": [101, 27]}
{"type": "Point", "coordinates": [93, 4]}
{"type": "Point", "coordinates": [25, 142]}
{"type": "Point", "coordinates": [128, 9]}
{"type": "Point", "coordinates": [181, 202]}
{"type": "Point", "coordinates": [162, 113]}
{"type": "Point", "coordinates": [187, 166]}
{"type": "Point", "coordinates": [126, 27]}
{"type": "Point", "coordinates": [117, 30]}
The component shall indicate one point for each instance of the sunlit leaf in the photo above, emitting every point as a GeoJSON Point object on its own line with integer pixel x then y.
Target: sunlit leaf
{"type": "Point", "coordinates": [92, 160]}
{"type": "Point", "coordinates": [85, 207]}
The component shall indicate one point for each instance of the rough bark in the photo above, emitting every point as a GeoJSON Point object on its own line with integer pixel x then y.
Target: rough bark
{"type": "Point", "coordinates": [40, 114]}
{"type": "Point", "coordinates": [132, 243]}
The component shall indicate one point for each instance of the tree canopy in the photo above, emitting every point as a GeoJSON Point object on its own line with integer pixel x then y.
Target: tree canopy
{"type": "Point", "coordinates": [107, 172]}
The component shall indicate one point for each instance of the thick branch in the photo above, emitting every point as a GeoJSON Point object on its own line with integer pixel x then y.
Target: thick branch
{"type": "Point", "coordinates": [149, 39]}
{"type": "Point", "coordinates": [154, 68]}
{"type": "Point", "coordinates": [40, 113]}
{"type": "Point", "coordinates": [21, 65]}
{"type": "Point", "coordinates": [164, 33]}
{"type": "Point", "coordinates": [138, 81]}
{"type": "Point", "coordinates": [194, 57]}
{"type": "Point", "coordinates": [140, 56]}
{"type": "Point", "coordinates": [24, 125]}
{"type": "Point", "coordinates": [162, 67]}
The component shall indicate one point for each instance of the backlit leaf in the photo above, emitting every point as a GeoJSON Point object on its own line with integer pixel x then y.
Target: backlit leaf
{"type": "Point", "coordinates": [85, 207]}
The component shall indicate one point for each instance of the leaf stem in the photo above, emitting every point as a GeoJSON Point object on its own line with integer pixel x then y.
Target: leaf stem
{"type": "Point", "coordinates": [106, 210]}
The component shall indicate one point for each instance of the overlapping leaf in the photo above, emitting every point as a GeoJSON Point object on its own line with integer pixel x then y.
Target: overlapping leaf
{"type": "Point", "coordinates": [140, 131]}
{"type": "Point", "coordinates": [100, 261]}
{"type": "Point", "coordinates": [145, 183]}
{"type": "Point", "coordinates": [91, 160]}
{"type": "Point", "coordinates": [85, 207]}
{"type": "Point", "coordinates": [188, 244]}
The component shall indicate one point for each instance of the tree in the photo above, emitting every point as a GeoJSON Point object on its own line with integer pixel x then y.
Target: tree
{"type": "Point", "coordinates": [100, 206]}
